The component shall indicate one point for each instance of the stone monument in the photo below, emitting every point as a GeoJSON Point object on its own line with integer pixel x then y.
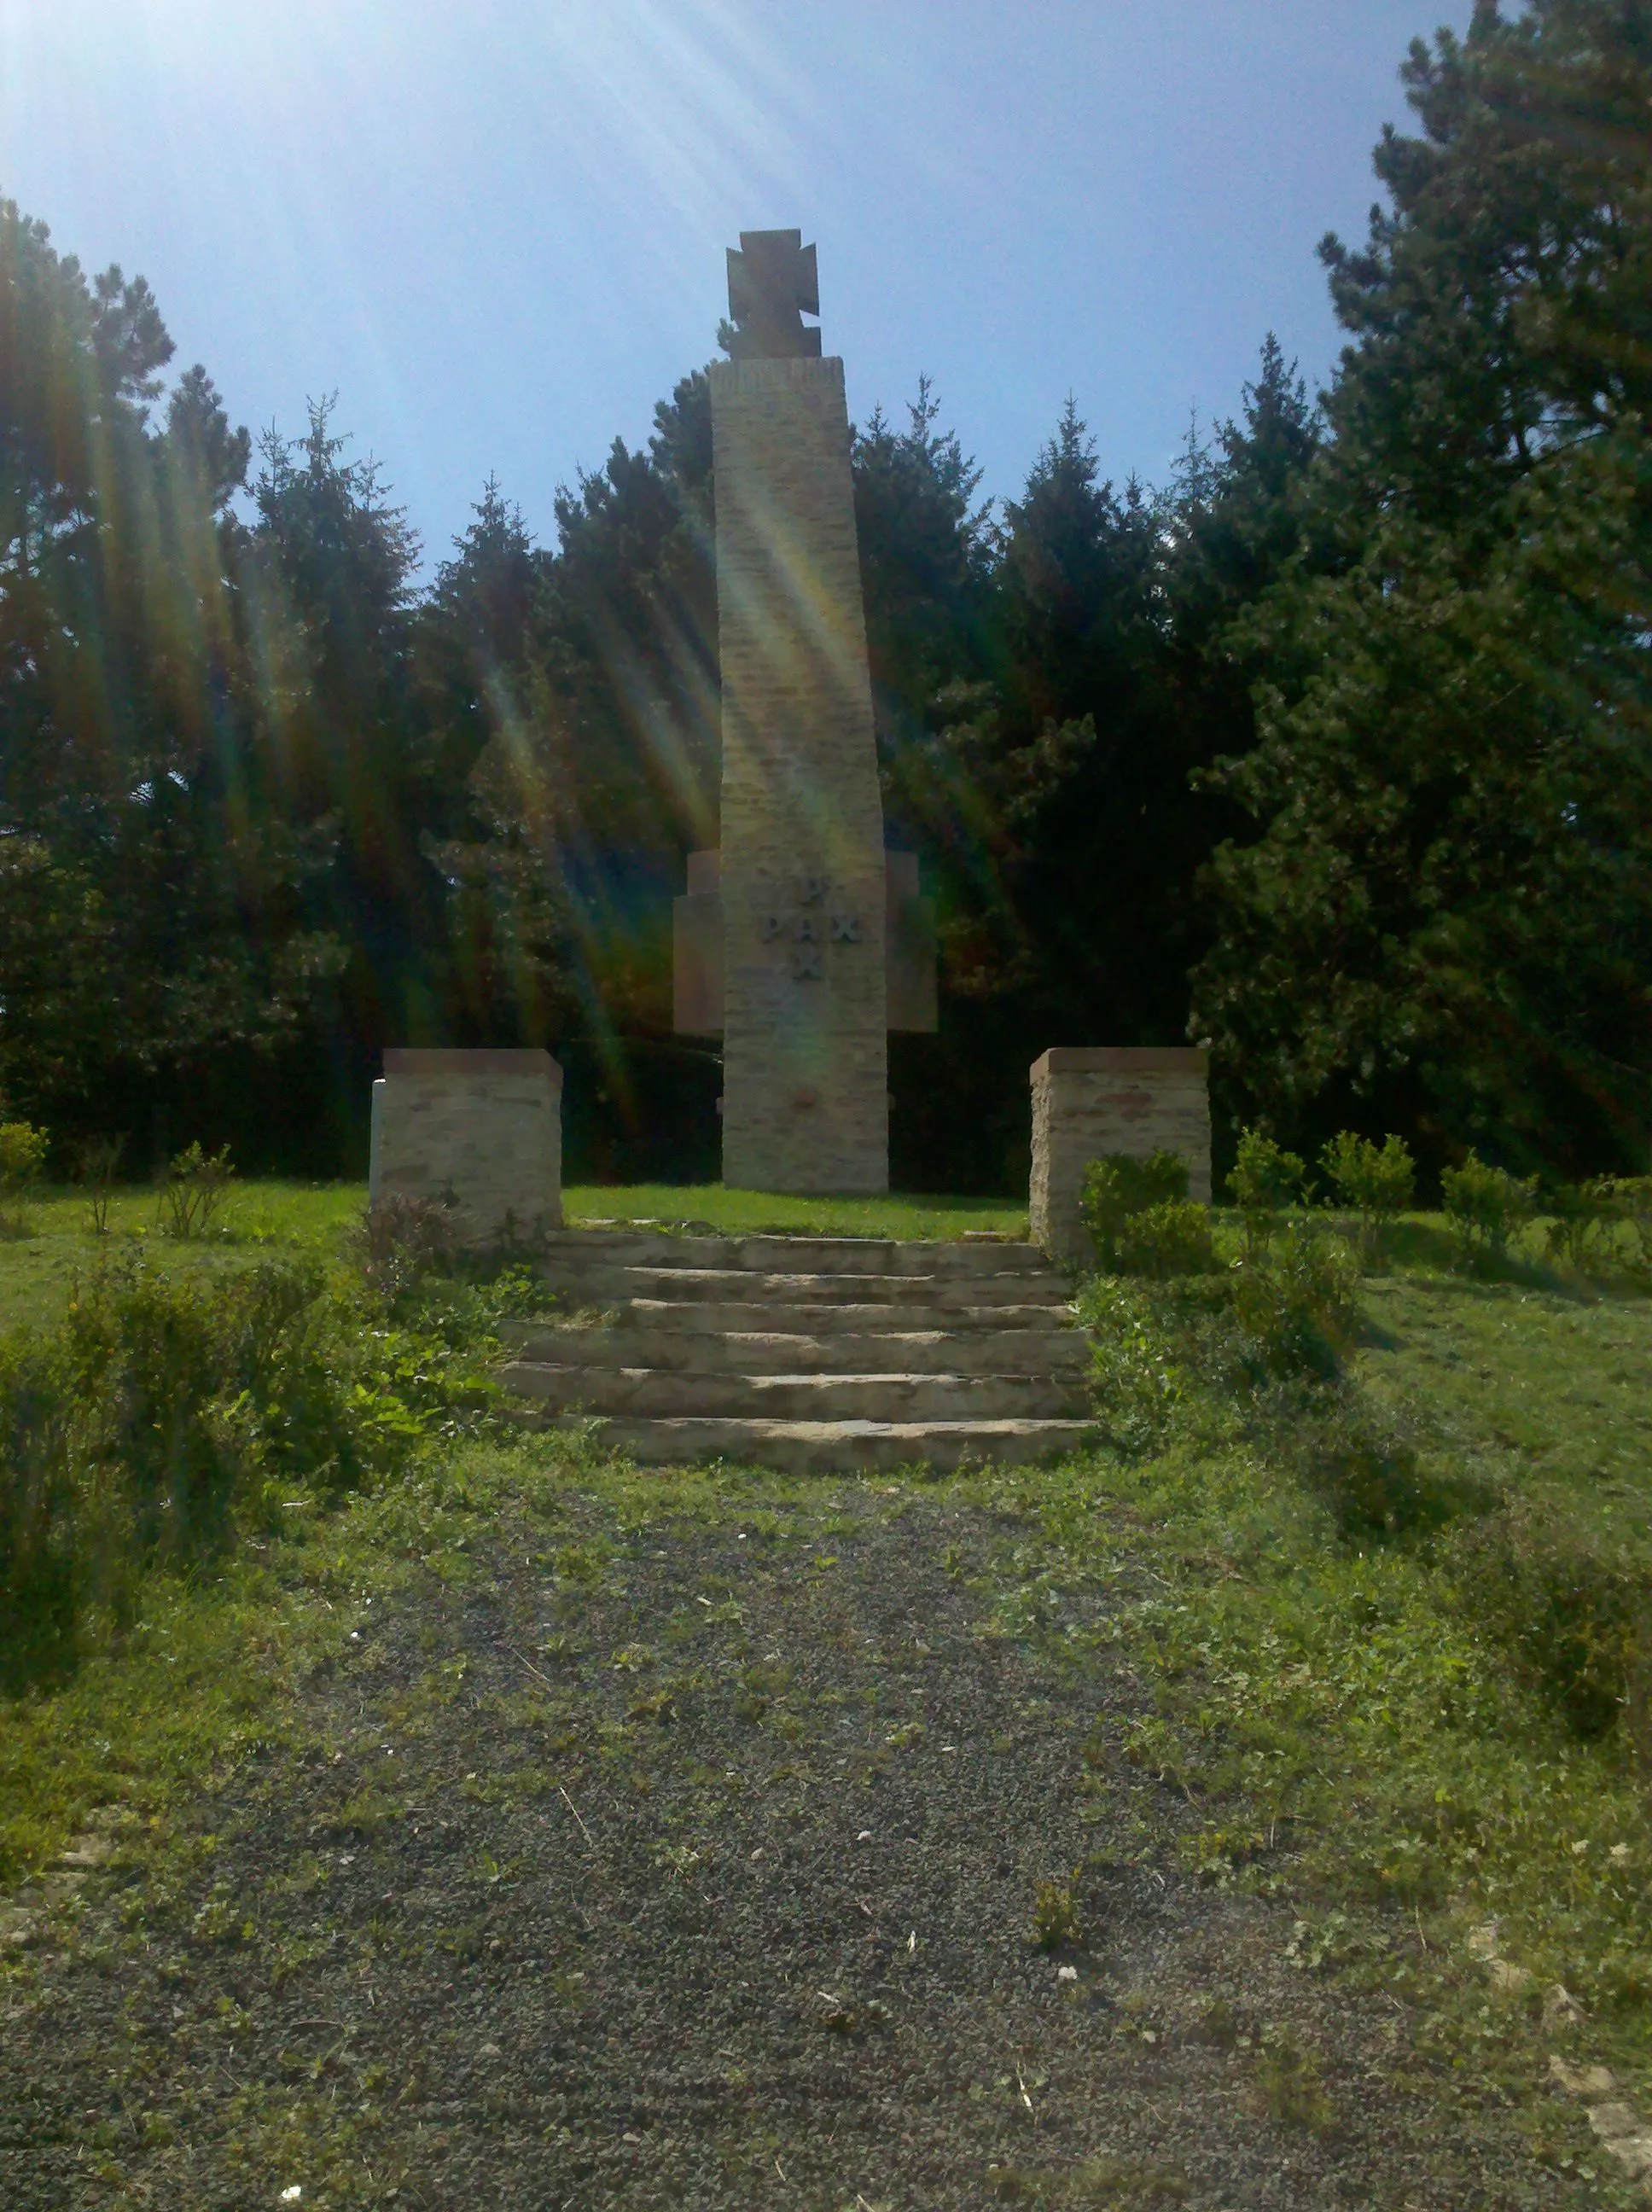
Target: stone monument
{"type": "Point", "coordinates": [783, 942]}
{"type": "Point", "coordinates": [1088, 1101]}
{"type": "Point", "coordinates": [480, 1131]}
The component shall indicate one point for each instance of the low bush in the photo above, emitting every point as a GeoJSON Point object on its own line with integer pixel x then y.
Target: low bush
{"type": "Point", "coordinates": [1604, 1221]}
{"type": "Point", "coordinates": [1378, 1183]}
{"type": "Point", "coordinates": [1297, 1306]}
{"type": "Point", "coordinates": [1485, 1208]}
{"type": "Point", "coordinates": [1265, 1180]}
{"type": "Point", "coordinates": [1626, 1202]}
{"type": "Point", "coordinates": [94, 1162]}
{"type": "Point", "coordinates": [166, 1414]}
{"type": "Point", "coordinates": [1364, 1466]}
{"type": "Point", "coordinates": [401, 1242]}
{"type": "Point", "coordinates": [1577, 1618]}
{"type": "Point", "coordinates": [1167, 1240]}
{"type": "Point", "coordinates": [22, 1162]}
{"type": "Point", "coordinates": [1117, 1189]}
{"type": "Point", "coordinates": [191, 1188]}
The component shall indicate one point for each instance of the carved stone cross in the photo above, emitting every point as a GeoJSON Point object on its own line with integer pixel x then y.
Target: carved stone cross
{"type": "Point", "coordinates": [772, 284]}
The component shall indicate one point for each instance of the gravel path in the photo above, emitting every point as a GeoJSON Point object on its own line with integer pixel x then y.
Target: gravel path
{"type": "Point", "coordinates": [696, 1864]}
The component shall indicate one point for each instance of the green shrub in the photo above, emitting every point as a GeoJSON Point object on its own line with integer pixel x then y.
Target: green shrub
{"type": "Point", "coordinates": [94, 1162]}
{"type": "Point", "coordinates": [1167, 1240]}
{"type": "Point", "coordinates": [1577, 1616]}
{"type": "Point", "coordinates": [401, 1242]}
{"type": "Point", "coordinates": [165, 1413]}
{"type": "Point", "coordinates": [191, 1188]}
{"type": "Point", "coordinates": [1378, 1183]}
{"type": "Point", "coordinates": [1575, 1217]}
{"type": "Point", "coordinates": [1118, 1188]}
{"type": "Point", "coordinates": [22, 1162]}
{"type": "Point", "coordinates": [1630, 1197]}
{"type": "Point", "coordinates": [1264, 1182]}
{"type": "Point", "coordinates": [1299, 1303]}
{"type": "Point", "coordinates": [1584, 1223]}
{"type": "Point", "coordinates": [1485, 1207]}
{"type": "Point", "coordinates": [1360, 1462]}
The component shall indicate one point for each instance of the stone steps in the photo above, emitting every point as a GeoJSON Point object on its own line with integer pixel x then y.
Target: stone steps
{"type": "Point", "coordinates": [811, 1354]}
{"type": "Point", "coordinates": [817, 1351]}
{"type": "Point", "coordinates": [661, 1393]}
{"type": "Point", "coordinates": [835, 1446]}
{"type": "Point", "coordinates": [802, 1320]}
{"type": "Point", "coordinates": [604, 1285]}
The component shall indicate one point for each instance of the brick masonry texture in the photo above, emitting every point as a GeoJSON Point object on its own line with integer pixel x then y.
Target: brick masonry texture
{"type": "Point", "coordinates": [805, 1080]}
{"type": "Point", "coordinates": [909, 952]}
{"type": "Point", "coordinates": [1086, 1102]}
{"type": "Point", "coordinates": [483, 1129]}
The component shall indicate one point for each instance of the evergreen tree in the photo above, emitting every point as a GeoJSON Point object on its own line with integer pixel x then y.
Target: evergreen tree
{"type": "Point", "coordinates": [1442, 919]}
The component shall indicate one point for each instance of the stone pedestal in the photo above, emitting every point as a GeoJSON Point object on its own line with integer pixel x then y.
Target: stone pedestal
{"type": "Point", "coordinates": [479, 1131]}
{"type": "Point", "coordinates": [1086, 1102]}
{"type": "Point", "coordinates": [804, 889]}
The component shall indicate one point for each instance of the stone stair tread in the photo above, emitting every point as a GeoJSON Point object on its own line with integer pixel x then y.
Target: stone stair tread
{"type": "Point", "coordinates": [670, 1393]}
{"type": "Point", "coordinates": [826, 1446]}
{"type": "Point", "coordinates": [814, 1254]}
{"type": "Point", "coordinates": [799, 1288]}
{"type": "Point", "coordinates": [691, 1314]}
{"type": "Point", "coordinates": [1057, 1350]}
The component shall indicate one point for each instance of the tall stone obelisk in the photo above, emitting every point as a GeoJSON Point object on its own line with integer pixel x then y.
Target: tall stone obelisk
{"type": "Point", "coordinates": [805, 1081]}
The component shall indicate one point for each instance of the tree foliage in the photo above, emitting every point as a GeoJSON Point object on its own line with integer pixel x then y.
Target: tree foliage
{"type": "Point", "coordinates": [1334, 749]}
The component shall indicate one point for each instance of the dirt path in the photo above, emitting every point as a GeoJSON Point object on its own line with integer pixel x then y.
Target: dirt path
{"type": "Point", "coordinates": [696, 1864]}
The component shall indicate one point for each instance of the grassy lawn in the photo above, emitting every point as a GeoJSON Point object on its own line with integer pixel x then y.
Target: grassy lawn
{"type": "Point", "coordinates": [750, 1212]}
{"type": "Point", "coordinates": [259, 1219]}
{"type": "Point", "coordinates": [1375, 1734]}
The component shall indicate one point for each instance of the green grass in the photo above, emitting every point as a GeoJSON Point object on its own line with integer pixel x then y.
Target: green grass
{"type": "Point", "coordinates": [260, 1219]}
{"type": "Point", "coordinates": [1354, 1726]}
{"type": "Point", "coordinates": [750, 1212]}
{"type": "Point", "coordinates": [257, 1220]}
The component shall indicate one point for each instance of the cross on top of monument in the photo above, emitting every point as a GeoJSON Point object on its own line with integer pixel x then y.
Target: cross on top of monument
{"type": "Point", "coordinates": [772, 284]}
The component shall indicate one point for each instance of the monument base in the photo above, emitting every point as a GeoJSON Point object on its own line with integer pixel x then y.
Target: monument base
{"type": "Point", "coordinates": [1089, 1101]}
{"type": "Point", "coordinates": [478, 1132]}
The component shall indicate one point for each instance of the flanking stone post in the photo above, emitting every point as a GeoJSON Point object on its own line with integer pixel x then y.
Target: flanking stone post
{"type": "Point", "coordinates": [1087, 1101]}
{"type": "Point", "coordinates": [481, 1131]}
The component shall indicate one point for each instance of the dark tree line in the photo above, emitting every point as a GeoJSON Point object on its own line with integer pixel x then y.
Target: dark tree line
{"type": "Point", "coordinates": [1333, 750]}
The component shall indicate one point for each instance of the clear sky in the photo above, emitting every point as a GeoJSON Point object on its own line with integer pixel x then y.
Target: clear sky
{"type": "Point", "coordinates": [496, 227]}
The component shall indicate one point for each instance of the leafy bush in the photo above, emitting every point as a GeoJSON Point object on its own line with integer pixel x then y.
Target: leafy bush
{"type": "Point", "coordinates": [1586, 1221]}
{"type": "Point", "coordinates": [1298, 1304]}
{"type": "Point", "coordinates": [22, 1161]}
{"type": "Point", "coordinates": [401, 1242]}
{"type": "Point", "coordinates": [191, 1188]}
{"type": "Point", "coordinates": [1265, 1180]}
{"type": "Point", "coordinates": [1577, 1618]}
{"type": "Point", "coordinates": [1485, 1207]}
{"type": "Point", "coordinates": [1169, 1239]}
{"type": "Point", "coordinates": [1627, 1200]}
{"type": "Point", "coordinates": [1378, 1183]}
{"type": "Point", "coordinates": [96, 1162]}
{"type": "Point", "coordinates": [1360, 1462]}
{"type": "Point", "coordinates": [166, 1413]}
{"type": "Point", "coordinates": [1119, 1187]}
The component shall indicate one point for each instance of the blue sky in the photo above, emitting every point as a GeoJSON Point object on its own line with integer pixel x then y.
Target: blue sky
{"type": "Point", "coordinates": [496, 227]}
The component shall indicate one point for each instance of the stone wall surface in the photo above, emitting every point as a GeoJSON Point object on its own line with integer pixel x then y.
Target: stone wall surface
{"type": "Point", "coordinates": [805, 1081]}
{"type": "Point", "coordinates": [910, 957]}
{"type": "Point", "coordinates": [481, 1130]}
{"type": "Point", "coordinates": [1088, 1102]}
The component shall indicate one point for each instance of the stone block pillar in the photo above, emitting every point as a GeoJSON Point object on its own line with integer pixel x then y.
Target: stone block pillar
{"type": "Point", "coordinates": [480, 1131]}
{"type": "Point", "coordinates": [1088, 1102]}
{"type": "Point", "coordinates": [805, 1080]}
